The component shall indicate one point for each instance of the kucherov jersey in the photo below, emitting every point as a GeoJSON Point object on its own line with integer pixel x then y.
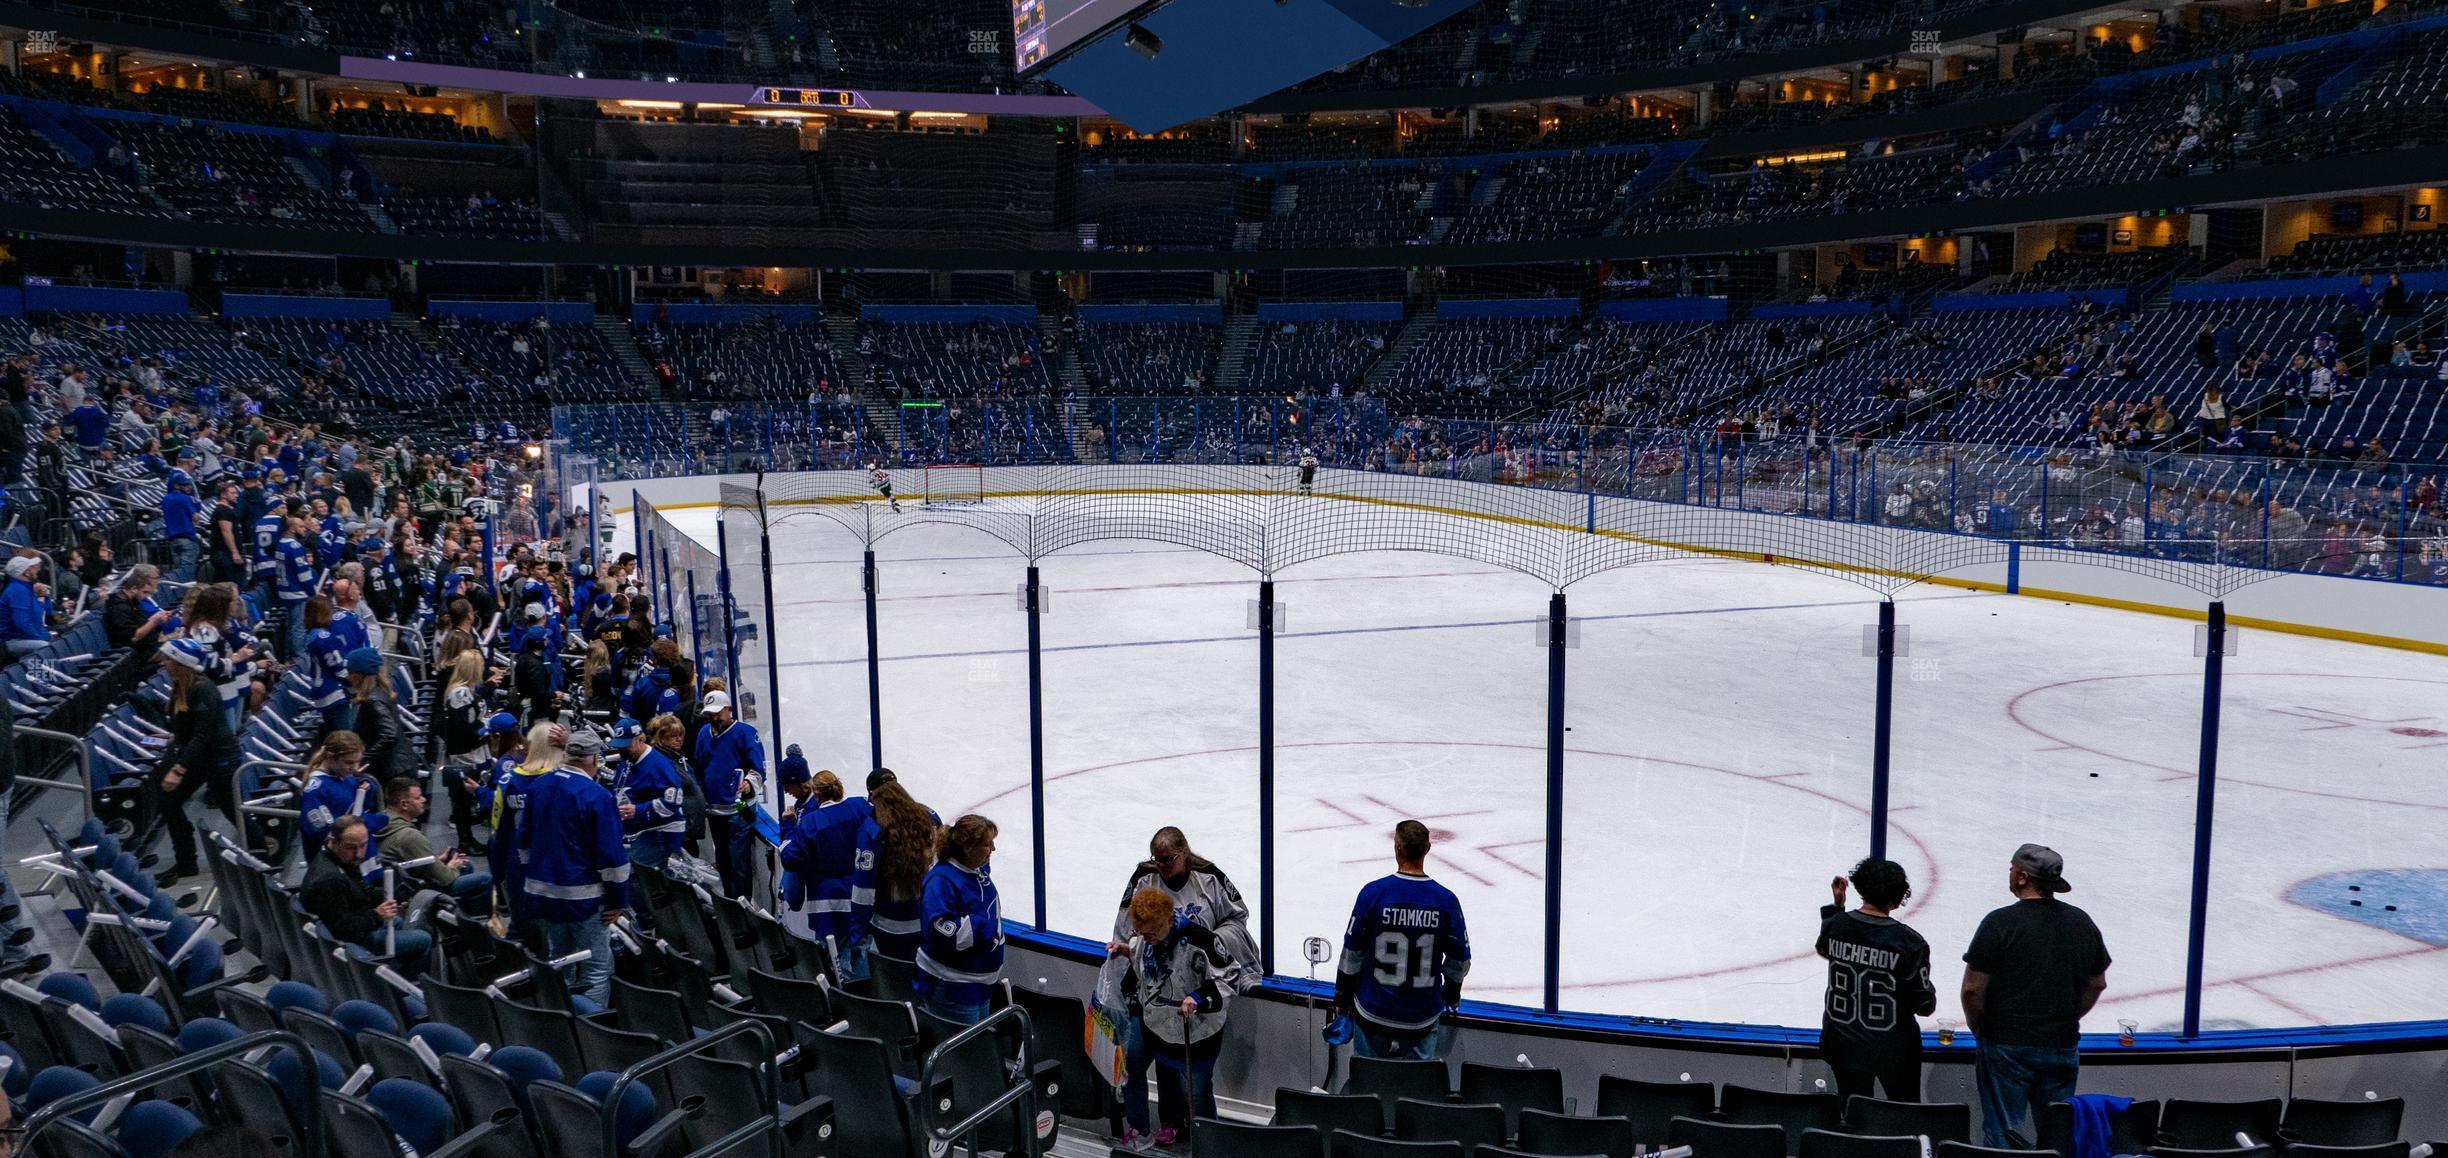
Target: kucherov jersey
{"type": "Point", "coordinates": [1878, 977]}
{"type": "Point", "coordinates": [1408, 946]}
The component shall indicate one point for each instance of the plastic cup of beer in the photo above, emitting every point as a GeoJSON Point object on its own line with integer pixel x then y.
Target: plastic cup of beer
{"type": "Point", "coordinates": [1946, 1031]}
{"type": "Point", "coordinates": [2125, 1033]}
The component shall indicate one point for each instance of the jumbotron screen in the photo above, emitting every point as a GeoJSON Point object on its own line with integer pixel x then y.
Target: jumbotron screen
{"type": "Point", "coordinates": [1045, 29]}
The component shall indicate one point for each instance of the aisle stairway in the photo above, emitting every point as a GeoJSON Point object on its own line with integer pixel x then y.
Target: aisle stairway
{"type": "Point", "coordinates": [1232, 363]}
{"type": "Point", "coordinates": [1415, 328]}
{"type": "Point", "coordinates": [617, 339]}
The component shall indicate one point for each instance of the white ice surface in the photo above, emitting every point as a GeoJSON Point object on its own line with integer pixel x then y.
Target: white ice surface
{"type": "Point", "coordinates": [1718, 774]}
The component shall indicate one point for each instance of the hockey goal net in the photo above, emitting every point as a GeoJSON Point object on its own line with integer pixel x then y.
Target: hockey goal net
{"type": "Point", "coordinates": [955, 484]}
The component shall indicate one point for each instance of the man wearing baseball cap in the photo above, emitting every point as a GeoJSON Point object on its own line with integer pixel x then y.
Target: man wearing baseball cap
{"type": "Point", "coordinates": [25, 606]}
{"type": "Point", "coordinates": [652, 800]}
{"type": "Point", "coordinates": [2034, 969]}
{"type": "Point", "coordinates": [728, 756]}
{"type": "Point", "coordinates": [180, 510]}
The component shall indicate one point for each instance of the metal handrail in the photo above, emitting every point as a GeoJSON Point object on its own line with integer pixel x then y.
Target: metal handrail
{"type": "Point", "coordinates": [769, 1088]}
{"type": "Point", "coordinates": [132, 505]}
{"type": "Point", "coordinates": [84, 754]}
{"type": "Point", "coordinates": [1025, 1088]}
{"type": "Point", "coordinates": [310, 1123]}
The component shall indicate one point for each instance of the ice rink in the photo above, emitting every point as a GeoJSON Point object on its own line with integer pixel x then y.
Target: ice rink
{"type": "Point", "coordinates": [1718, 769]}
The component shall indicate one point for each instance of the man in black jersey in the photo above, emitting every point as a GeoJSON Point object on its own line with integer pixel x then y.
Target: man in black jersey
{"type": "Point", "coordinates": [1878, 980]}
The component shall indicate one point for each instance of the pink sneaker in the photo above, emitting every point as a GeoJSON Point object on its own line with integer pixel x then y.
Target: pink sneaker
{"type": "Point", "coordinates": [1165, 1137]}
{"type": "Point", "coordinates": [1136, 1142]}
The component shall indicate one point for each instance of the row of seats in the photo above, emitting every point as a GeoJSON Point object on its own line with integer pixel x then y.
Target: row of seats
{"type": "Point", "coordinates": [1390, 1108]}
{"type": "Point", "coordinates": [231, 177]}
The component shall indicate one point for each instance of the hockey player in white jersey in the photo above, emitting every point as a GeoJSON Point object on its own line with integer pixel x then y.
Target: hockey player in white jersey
{"type": "Point", "coordinates": [881, 480]}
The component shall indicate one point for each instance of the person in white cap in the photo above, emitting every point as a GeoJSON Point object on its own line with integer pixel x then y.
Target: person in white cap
{"type": "Point", "coordinates": [729, 757]}
{"type": "Point", "coordinates": [25, 606]}
{"type": "Point", "coordinates": [2033, 970]}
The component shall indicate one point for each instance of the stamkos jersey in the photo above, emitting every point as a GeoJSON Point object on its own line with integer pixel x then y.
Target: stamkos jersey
{"type": "Point", "coordinates": [1405, 952]}
{"type": "Point", "coordinates": [1878, 978]}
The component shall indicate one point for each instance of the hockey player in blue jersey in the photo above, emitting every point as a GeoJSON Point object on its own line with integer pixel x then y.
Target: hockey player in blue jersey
{"type": "Point", "coordinates": [1404, 956]}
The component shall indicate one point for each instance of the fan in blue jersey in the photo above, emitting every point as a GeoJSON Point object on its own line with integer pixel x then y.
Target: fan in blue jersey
{"type": "Point", "coordinates": [180, 512]}
{"type": "Point", "coordinates": [263, 566]}
{"type": "Point", "coordinates": [547, 751]}
{"type": "Point", "coordinates": [297, 579]}
{"type": "Point", "coordinates": [727, 758]}
{"type": "Point", "coordinates": [960, 947]}
{"type": "Point", "coordinates": [895, 852]}
{"type": "Point", "coordinates": [819, 864]}
{"type": "Point", "coordinates": [653, 799]}
{"type": "Point", "coordinates": [1404, 955]}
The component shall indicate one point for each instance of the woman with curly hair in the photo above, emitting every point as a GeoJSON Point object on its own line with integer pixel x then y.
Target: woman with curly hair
{"type": "Point", "coordinates": [896, 849]}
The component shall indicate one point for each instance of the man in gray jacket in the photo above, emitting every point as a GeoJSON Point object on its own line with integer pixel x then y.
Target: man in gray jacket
{"type": "Point", "coordinates": [404, 840]}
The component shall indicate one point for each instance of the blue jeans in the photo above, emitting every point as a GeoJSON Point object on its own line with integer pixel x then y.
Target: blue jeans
{"type": "Point", "coordinates": [1171, 1062]}
{"type": "Point", "coordinates": [408, 951]}
{"type": "Point", "coordinates": [594, 975]}
{"type": "Point", "coordinates": [293, 629]}
{"type": "Point", "coordinates": [474, 893]}
{"type": "Point", "coordinates": [649, 854]}
{"type": "Point", "coordinates": [2016, 1079]}
{"type": "Point", "coordinates": [851, 963]}
{"type": "Point", "coordinates": [734, 837]}
{"type": "Point", "coordinates": [934, 997]}
{"type": "Point", "coordinates": [1373, 1041]}
{"type": "Point", "coordinates": [183, 556]}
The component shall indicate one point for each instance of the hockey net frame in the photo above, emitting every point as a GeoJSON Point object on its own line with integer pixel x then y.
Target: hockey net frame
{"type": "Point", "coordinates": [953, 484]}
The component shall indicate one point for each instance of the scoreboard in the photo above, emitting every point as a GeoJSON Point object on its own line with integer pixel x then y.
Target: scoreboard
{"type": "Point", "coordinates": [827, 98]}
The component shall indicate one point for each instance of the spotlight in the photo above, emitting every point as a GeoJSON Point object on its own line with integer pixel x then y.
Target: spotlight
{"type": "Point", "coordinates": [1138, 39]}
